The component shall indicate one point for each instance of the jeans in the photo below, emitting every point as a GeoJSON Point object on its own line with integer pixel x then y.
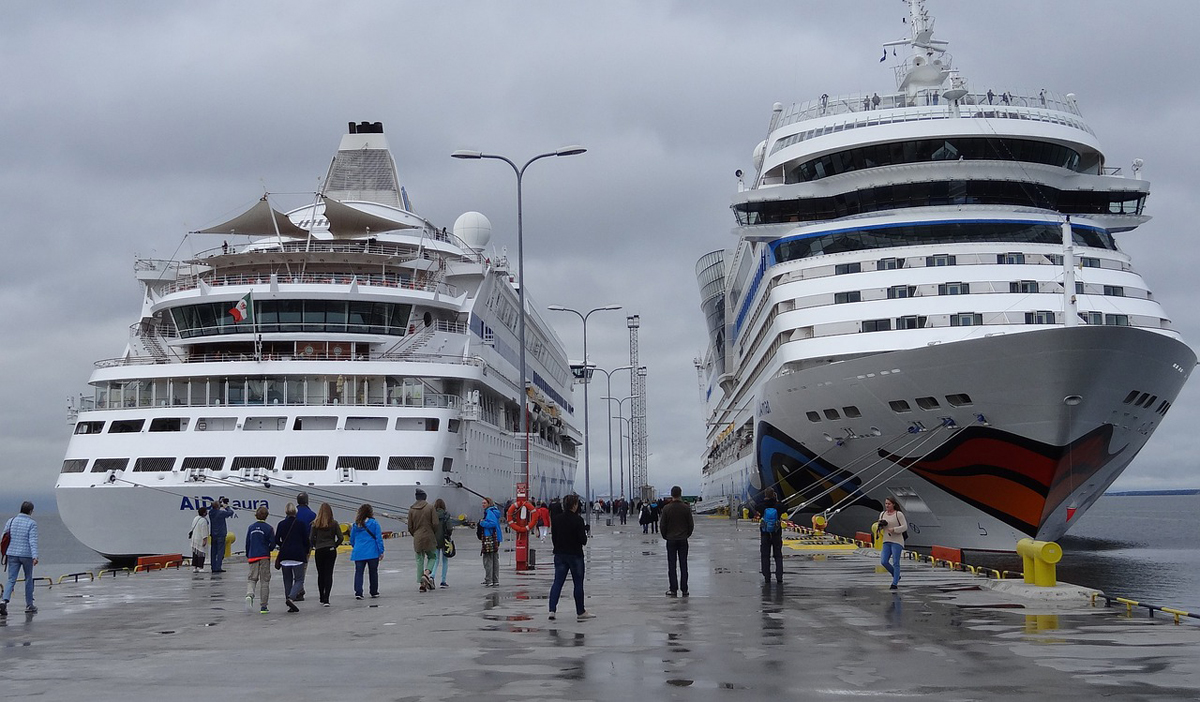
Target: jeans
{"type": "Point", "coordinates": [260, 574]}
{"type": "Point", "coordinates": [293, 581]}
{"type": "Point", "coordinates": [891, 551]}
{"type": "Point", "coordinates": [445, 563]}
{"type": "Point", "coordinates": [677, 550]}
{"type": "Point", "coordinates": [324, 558]}
{"type": "Point", "coordinates": [771, 544]}
{"type": "Point", "coordinates": [426, 560]}
{"type": "Point", "coordinates": [372, 566]}
{"type": "Point", "coordinates": [216, 549]}
{"type": "Point", "coordinates": [491, 568]}
{"type": "Point", "coordinates": [562, 565]}
{"type": "Point", "coordinates": [15, 564]}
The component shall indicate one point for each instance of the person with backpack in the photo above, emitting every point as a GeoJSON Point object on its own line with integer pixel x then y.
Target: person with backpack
{"type": "Point", "coordinates": [645, 516]}
{"type": "Point", "coordinates": [771, 538]}
{"type": "Point", "coordinates": [21, 554]}
{"type": "Point", "coordinates": [445, 544]}
{"type": "Point", "coordinates": [894, 527]}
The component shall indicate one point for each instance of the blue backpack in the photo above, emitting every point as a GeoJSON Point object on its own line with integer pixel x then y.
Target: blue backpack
{"type": "Point", "coordinates": [770, 520]}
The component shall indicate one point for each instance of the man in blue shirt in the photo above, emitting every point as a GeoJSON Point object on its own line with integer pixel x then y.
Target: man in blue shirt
{"type": "Point", "coordinates": [306, 517]}
{"type": "Point", "coordinates": [22, 554]}
{"type": "Point", "coordinates": [217, 530]}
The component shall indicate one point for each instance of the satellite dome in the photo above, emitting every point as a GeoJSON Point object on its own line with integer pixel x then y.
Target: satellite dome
{"type": "Point", "coordinates": [474, 229]}
{"type": "Point", "coordinates": [759, 152]}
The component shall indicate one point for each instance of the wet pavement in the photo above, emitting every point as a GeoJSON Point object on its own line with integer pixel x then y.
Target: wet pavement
{"type": "Point", "coordinates": [832, 631]}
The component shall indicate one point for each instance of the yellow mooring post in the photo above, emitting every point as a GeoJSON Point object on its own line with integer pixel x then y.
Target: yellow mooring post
{"type": "Point", "coordinates": [229, 539]}
{"type": "Point", "coordinates": [1038, 559]}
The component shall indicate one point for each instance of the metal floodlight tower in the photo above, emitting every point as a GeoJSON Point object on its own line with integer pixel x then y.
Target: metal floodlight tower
{"type": "Point", "coordinates": [637, 411]}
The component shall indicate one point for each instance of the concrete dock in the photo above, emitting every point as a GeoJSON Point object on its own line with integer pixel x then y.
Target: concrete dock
{"type": "Point", "coordinates": [832, 631]}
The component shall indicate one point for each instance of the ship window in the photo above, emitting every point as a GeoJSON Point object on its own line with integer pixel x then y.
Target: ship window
{"type": "Point", "coordinates": [899, 406]}
{"type": "Point", "coordinates": [1039, 317]}
{"type": "Point", "coordinates": [410, 463]}
{"type": "Point", "coordinates": [1130, 397]}
{"type": "Point", "coordinates": [927, 403]}
{"type": "Point", "coordinates": [453, 425]}
{"type": "Point", "coordinates": [1114, 291]}
{"type": "Point", "coordinates": [1116, 320]}
{"type": "Point", "coordinates": [366, 423]}
{"type": "Point", "coordinates": [315, 424]}
{"type": "Point", "coordinates": [410, 424]}
{"type": "Point", "coordinates": [1010, 258]}
{"type": "Point", "coordinates": [1023, 286]}
{"type": "Point", "coordinates": [358, 462]}
{"type": "Point", "coordinates": [1164, 407]}
{"type": "Point", "coordinates": [966, 319]}
{"type": "Point", "coordinates": [305, 462]}
{"type": "Point", "coordinates": [1142, 399]}
{"type": "Point", "coordinates": [844, 268]}
{"type": "Point", "coordinates": [253, 462]}
{"type": "Point", "coordinates": [210, 463]}
{"type": "Point", "coordinates": [154, 465]}
{"type": "Point", "coordinates": [1079, 290]}
{"type": "Point", "coordinates": [851, 412]}
{"type": "Point", "coordinates": [813, 416]}
{"type": "Point", "coordinates": [897, 292]}
{"type": "Point", "coordinates": [954, 289]}
{"type": "Point", "coordinates": [959, 399]}
{"type": "Point", "coordinates": [432, 423]}
{"type": "Point", "coordinates": [216, 424]}
{"type": "Point", "coordinates": [265, 424]}
{"type": "Point", "coordinates": [126, 426]}
{"type": "Point", "coordinates": [890, 264]}
{"type": "Point", "coordinates": [103, 465]}
{"type": "Point", "coordinates": [939, 260]}
{"type": "Point", "coordinates": [447, 464]}
{"type": "Point", "coordinates": [89, 427]}
{"type": "Point", "coordinates": [169, 424]}
{"type": "Point", "coordinates": [844, 297]}
{"type": "Point", "coordinates": [832, 414]}
{"type": "Point", "coordinates": [77, 465]}
{"type": "Point", "coordinates": [1149, 401]}
{"type": "Point", "coordinates": [1094, 318]}
{"type": "Point", "coordinates": [1088, 262]}
{"type": "Point", "coordinates": [1054, 259]}
{"type": "Point", "coordinates": [873, 325]}
{"type": "Point", "coordinates": [911, 322]}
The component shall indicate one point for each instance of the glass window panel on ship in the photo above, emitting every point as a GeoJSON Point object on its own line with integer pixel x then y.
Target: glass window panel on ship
{"type": "Point", "coordinates": [806, 246]}
{"type": "Point", "coordinates": [321, 316]}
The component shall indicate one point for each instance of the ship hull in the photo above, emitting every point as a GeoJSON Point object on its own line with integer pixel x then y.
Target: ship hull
{"type": "Point", "coordinates": [1003, 438]}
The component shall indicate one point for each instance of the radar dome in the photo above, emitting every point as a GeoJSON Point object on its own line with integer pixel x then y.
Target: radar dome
{"type": "Point", "coordinates": [759, 152]}
{"type": "Point", "coordinates": [474, 229]}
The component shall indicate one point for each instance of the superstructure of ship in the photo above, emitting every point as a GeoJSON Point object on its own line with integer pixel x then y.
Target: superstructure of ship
{"type": "Point", "coordinates": [348, 348]}
{"type": "Point", "coordinates": [926, 299]}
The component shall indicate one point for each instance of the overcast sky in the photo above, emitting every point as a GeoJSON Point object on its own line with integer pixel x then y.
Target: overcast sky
{"type": "Point", "coordinates": [125, 124]}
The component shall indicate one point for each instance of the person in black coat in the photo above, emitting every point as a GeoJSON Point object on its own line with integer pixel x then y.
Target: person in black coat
{"type": "Point", "coordinates": [569, 535]}
{"type": "Point", "coordinates": [292, 536]}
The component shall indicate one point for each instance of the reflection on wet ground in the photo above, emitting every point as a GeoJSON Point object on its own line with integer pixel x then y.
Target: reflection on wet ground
{"type": "Point", "coordinates": [831, 631]}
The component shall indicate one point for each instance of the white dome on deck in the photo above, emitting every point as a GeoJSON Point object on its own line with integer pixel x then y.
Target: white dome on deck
{"type": "Point", "coordinates": [474, 229]}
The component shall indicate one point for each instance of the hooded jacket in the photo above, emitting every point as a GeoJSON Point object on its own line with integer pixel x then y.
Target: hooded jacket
{"type": "Point", "coordinates": [422, 524]}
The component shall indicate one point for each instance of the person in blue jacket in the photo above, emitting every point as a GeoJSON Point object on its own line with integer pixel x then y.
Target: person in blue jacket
{"type": "Point", "coordinates": [366, 549]}
{"type": "Point", "coordinates": [260, 540]}
{"type": "Point", "coordinates": [492, 535]}
{"type": "Point", "coordinates": [218, 512]}
{"type": "Point", "coordinates": [305, 514]}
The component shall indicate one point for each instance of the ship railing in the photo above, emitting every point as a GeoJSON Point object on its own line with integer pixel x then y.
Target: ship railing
{"type": "Point", "coordinates": [370, 247]}
{"type": "Point", "coordinates": [429, 400]}
{"type": "Point", "coordinates": [419, 282]}
{"type": "Point", "coordinates": [450, 359]}
{"type": "Point", "coordinates": [864, 102]}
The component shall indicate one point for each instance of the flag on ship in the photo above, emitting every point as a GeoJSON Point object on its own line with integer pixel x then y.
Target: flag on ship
{"type": "Point", "coordinates": [244, 309]}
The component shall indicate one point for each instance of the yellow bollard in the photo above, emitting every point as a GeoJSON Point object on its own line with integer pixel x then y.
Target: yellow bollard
{"type": "Point", "coordinates": [877, 535]}
{"type": "Point", "coordinates": [1038, 559]}
{"type": "Point", "coordinates": [745, 513]}
{"type": "Point", "coordinates": [819, 523]}
{"type": "Point", "coordinates": [229, 539]}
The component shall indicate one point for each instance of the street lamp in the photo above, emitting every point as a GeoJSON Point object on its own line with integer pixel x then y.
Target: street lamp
{"type": "Point", "coordinates": [608, 379]}
{"type": "Point", "coordinates": [621, 416]}
{"type": "Point", "coordinates": [572, 150]}
{"type": "Point", "coordinates": [587, 444]}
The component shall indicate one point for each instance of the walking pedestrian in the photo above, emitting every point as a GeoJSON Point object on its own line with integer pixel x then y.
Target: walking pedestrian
{"type": "Point", "coordinates": [217, 514]}
{"type": "Point", "coordinates": [771, 541]}
{"type": "Point", "coordinates": [366, 541]}
{"type": "Point", "coordinates": [326, 536]}
{"type": "Point", "coordinates": [623, 510]}
{"type": "Point", "coordinates": [645, 516]}
{"type": "Point", "coordinates": [676, 526]}
{"type": "Point", "coordinates": [306, 516]}
{"type": "Point", "coordinates": [198, 535]}
{"type": "Point", "coordinates": [260, 539]}
{"type": "Point", "coordinates": [893, 525]}
{"type": "Point", "coordinates": [22, 554]}
{"type": "Point", "coordinates": [423, 525]}
{"type": "Point", "coordinates": [542, 519]}
{"type": "Point", "coordinates": [569, 535]}
{"type": "Point", "coordinates": [490, 537]}
{"type": "Point", "coordinates": [292, 537]}
{"type": "Point", "coordinates": [445, 545]}
{"type": "Point", "coordinates": [655, 511]}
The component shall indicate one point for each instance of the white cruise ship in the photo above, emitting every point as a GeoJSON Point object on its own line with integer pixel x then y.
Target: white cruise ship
{"type": "Point", "coordinates": [926, 299]}
{"type": "Point", "coordinates": [348, 348]}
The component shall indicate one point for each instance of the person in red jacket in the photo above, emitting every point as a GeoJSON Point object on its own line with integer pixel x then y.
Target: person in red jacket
{"type": "Point", "coordinates": [542, 519]}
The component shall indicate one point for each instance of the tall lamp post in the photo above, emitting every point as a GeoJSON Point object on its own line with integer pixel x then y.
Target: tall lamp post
{"type": "Point", "coordinates": [608, 381]}
{"type": "Point", "coordinates": [572, 150]}
{"type": "Point", "coordinates": [587, 445]}
{"type": "Point", "coordinates": [620, 416]}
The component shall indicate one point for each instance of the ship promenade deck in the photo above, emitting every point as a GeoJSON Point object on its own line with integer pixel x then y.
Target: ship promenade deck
{"type": "Point", "coordinates": [832, 631]}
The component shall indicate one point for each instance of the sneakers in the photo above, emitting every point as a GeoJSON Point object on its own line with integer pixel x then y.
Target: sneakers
{"type": "Point", "coordinates": [892, 586]}
{"type": "Point", "coordinates": [427, 581]}
{"type": "Point", "coordinates": [551, 617]}
{"type": "Point", "coordinates": [358, 597]}
{"type": "Point", "coordinates": [262, 610]}
{"type": "Point", "coordinates": [671, 593]}
{"type": "Point", "coordinates": [4, 608]}
{"type": "Point", "coordinates": [584, 615]}
{"type": "Point", "coordinates": [684, 593]}
{"type": "Point", "coordinates": [292, 608]}
{"type": "Point", "coordinates": [444, 584]}
{"type": "Point", "coordinates": [249, 602]}
{"type": "Point", "coordinates": [298, 598]}
{"type": "Point", "coordinates": [324, 604]}
{"type": "Point", "coordinates": [31, 609]}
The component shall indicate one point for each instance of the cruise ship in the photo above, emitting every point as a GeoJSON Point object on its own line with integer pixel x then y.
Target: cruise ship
{"type": "Point", "coordinates": [347, 348]}
{"type": "Point", "coordinates": [926, 299]}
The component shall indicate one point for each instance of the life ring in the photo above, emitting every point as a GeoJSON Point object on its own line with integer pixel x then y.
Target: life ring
{"type": "Point", "coordinates": [520, 516]}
